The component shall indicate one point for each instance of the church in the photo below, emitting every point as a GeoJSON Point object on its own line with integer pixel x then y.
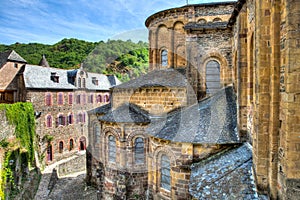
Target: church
{"type": "Point", "coordinates": [216, 117]}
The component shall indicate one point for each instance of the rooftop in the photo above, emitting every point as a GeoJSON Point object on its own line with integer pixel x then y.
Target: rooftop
{"type": "Point", "coordinates": [167, 78]}
{"type": "Point", "coordinates": [126, 113]}
{"type": "Point", "coordinates": [39, 77]}
{"type": "Point", "coordinates": [211, 121]}
{"type": "Point", "coordinates": [10, 56]}
{"type": "Point", "coordinates": [227, 175]}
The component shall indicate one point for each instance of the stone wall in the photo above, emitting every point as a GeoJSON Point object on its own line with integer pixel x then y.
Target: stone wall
{"type": "Point", "coordinates": [204, 46]}
{"type": "Point", "coordinates": [269, 88]}
{"type": "Point", "coordinates": [62, 133]}
{"type": "Point", "coordinates": [181, 156]}
{"type": "Point", "coordinates": [155, 100]}
{"type": "Point", "coordinates": [123, 177]}
{"type": "Point", "coordinates": [76, 164]}
{"type": "Point", "coordinates": [191, 49]}
{"type": "Point", "coordinates": [289, 145]}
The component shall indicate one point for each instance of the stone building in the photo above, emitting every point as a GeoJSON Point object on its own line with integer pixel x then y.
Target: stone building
{"type": "Point", "coordinates": [10, 65]}
{"type": "Point", "coordinates": [61, 99]}
{"type": "Point", "coordinates": [218, 113]}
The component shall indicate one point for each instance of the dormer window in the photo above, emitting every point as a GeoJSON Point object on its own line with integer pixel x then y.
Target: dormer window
{"type": "Point", "coordinates": [83, 82]}
{"type": "Point", "coordinates": [79, 82]}
{"type": "Point", "coordinates": [54, 77]}
{"type": "Point", "coordinates": [94, 81]}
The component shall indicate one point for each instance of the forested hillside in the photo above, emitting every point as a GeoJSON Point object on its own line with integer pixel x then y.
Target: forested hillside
{"type": "Point", "coordinates": [122, 58]}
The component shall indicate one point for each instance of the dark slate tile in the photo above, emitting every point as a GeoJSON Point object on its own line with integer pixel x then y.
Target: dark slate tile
{"type": "Point", "coordinates": [211, 121]}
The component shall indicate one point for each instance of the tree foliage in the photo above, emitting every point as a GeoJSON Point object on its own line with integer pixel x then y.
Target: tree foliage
{"type": "Point", "coordinates": [122, 58]}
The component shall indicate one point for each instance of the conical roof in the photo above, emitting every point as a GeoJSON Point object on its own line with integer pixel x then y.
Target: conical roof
{"type": "Point", "coordinates": [44, 62]}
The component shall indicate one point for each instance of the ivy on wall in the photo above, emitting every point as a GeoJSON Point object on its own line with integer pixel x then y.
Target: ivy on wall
{"type": "Point", "coordinates": [21, 115]}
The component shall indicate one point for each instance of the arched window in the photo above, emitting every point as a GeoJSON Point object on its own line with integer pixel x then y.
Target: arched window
{"type": "Point", "coordinates": [99, 98]}
{"type": "Point", "coordinates": [78, 98]}
{"type": "Point", "coordinates": [60, 98]}
{"type": "Point", "coordinates": [217, 19]}
{"type": "Point", "coordinates": [165, 181]}
{"type": "Point", "coordinates": [49, 121]}
{"type": "Point", "coordinates": [70, 98]}
{"type": "Point", "coordinates": [49, 153]}
{"type": "Point", "coordinates": [82, 143]}
{"type": "Point", "coordinates": [79, 82]}
{"type": "Point", "coordinates": [212, 77]}
{"type": "Point", "coordinates": [202, 21]}
{"type": "Point", "coordinates": [48, 99]}
{"type": "Point", "coordinates": [164, 58]}
{"type": "Point", "coordinates": [79, 118]}
{"type": "Point", "coordinates": [71, 144]}
{"type": "Point", "coordinates": [111, 149]}
{"type": "Point", "coordinates": [61, 120]}
{"type": "Point", "coordinates": [97, 133]}
{"type": "Point", "coordinates": [70, 118]}
{"type": "Point", "coordinates": [139, 155]}
{"type": "Point", "coordinates": [83, 82]}
{"type": "Point", "coordinates": [61, 147]}
{"type": "Point", "coordinates": [91, 99]}
{"type": "Point", "coordinates": [106, 98]}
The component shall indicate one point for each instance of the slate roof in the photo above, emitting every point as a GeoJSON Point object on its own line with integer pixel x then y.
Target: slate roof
{"type": "Point", "coordinates": [10, 55]}
{"type": "Point", "coordinates": [126, 113]}
{"type": "Point", "coordinates": [103, 82]}
{"type": "Point", "coordinates": [101, 110]}
{"type": "Point", "coordinates": [227, 175]}
{"type": "Point", "coordinates": [167, 77]}
{"type": "Point", "coordinates": [39, 77]}
{"type": "Point", "coordinates": [211, 121]}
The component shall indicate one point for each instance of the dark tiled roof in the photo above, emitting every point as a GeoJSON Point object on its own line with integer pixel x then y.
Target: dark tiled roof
{"type": "Point", "coordinates": [10, 56]}
{"type": "Point", "coordinates": [101, 110]}
{"type": "Point", "coordinates": [211, 121]}
{"type": "Point", "coordinates": [126, 113]}
{"type": "Point", "coordinates": [206, 26]}
{"type": "Point", "coordinates": [166, 77]}
{"type": "Point", "coordinates": [39, 77]}
{"type": "Point", "coordinates": [44, 62]}
{"type": "Point", "coordinates": [227, 175]}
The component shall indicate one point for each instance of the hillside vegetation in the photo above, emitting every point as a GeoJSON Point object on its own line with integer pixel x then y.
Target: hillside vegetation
{"type": "Point", "coordinates": [122, 58]}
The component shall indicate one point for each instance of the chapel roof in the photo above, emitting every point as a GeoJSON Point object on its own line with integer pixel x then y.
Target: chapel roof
{"type": "Point", "coordinates": [165, 77]}
{"type": "Point", "coordinates": [226, 175]}
{"type": "Point", "coordinates": [126, 113]}
{"type": "Point", "coordinates": [211, 121]}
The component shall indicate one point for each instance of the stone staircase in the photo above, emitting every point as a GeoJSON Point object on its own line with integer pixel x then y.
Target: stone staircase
{"type": "Point", "coordinates": [44, 192]}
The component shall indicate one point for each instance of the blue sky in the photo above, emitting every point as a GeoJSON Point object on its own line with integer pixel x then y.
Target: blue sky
{"type": "Point", "coordinates": [49, 21]}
